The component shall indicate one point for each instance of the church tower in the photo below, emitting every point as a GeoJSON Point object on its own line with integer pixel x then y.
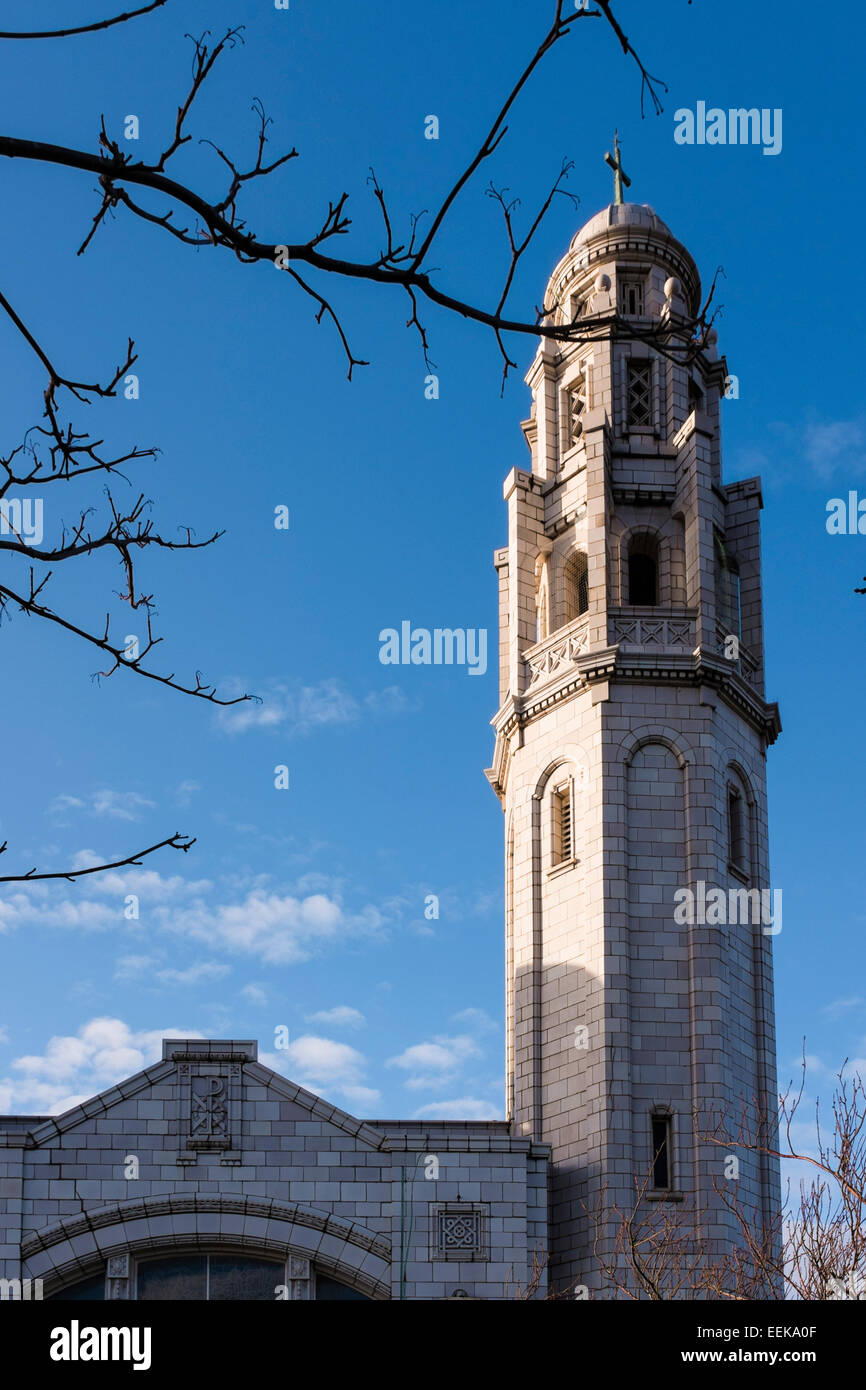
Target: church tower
{"type": "Point", "coordinates": [630, 756]}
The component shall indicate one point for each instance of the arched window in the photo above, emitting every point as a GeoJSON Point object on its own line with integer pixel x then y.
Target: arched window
{"type": "Point", "coordinates": [643, 570]}
{"type": "Point", "coordinates": [661, 1129]}
{"type": "Point", "coordinates": [202, 1278]}
{"type": "Point", "coordinates": [575, 583]}
{"type": "Point", "coordinates": [90, 1290]}
{"type": "Point", "coordinates": [541, 605]}
{"type": "Point", "coordinates": [738, 822]}
{"type": "Point", "coordinates": [562, 823]}
{"type": "Point", "coordinates": [727, 587]}
{"type": "Point", "coordinates": [542, 599]}
{"type": "Point", "coordinates": [215, 1278]}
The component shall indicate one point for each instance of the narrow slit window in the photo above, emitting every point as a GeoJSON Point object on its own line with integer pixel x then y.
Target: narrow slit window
{"type": "Point", "coordinates": [583, 592]}
{"type": "Point", "coordinates": [563, 840]}
{"type": "Point", "coordinates": [631, 298]}
{"type": "Point", "coordinates": [736, 830]}
{"type": "Point", "coordinates": [727, 588]}
{"type": "Point", "coordinates": [661, 1140]}
{"type": "Point", "coordinates": [639, 394]}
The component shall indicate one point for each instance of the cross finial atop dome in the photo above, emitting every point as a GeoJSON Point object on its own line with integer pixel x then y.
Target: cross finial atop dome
{"type": "Point", "coordinates": [620, 177]}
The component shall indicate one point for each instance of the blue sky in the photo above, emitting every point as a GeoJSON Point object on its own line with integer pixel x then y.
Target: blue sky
{"type": "Point", "coordinates": [305, 908]}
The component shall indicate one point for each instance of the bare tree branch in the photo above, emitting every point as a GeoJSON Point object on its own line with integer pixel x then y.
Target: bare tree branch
{"type": "Point", "coordinates": [175, 841]}
{"type": "Point", "coordinates": [403, 266]}
{"type": "Point", "coordinates": [83, 28]}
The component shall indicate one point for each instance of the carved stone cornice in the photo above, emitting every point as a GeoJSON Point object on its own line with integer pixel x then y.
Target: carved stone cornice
{"type": "Point", "coordinates": [694, 669]}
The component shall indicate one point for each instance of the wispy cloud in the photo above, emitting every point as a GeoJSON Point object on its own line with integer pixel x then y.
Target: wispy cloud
{"type": "Point", "coordinates": [478, 1019]}
{"type": "Point", "coordinates": [340, 1017]}
{"type": "Point", "coordinates": [255, 994]}
{"type": "Point", "coordinates": [465, 1108]}
{"type": "Point", "coordinates": [184, 792]}
{"type": "Point", "coordinates": [105, 802]}
{"type": "Point", "coordinates": [833, 445]}
{"type": "Point", "coordinates": [825, 448]}
{"type": "Point", "coordinates": [299, 709]}
{"type": "Point", "coordinates": [203, 970]}
{"type": "Point", "coordinates": [839, 1008]}
{"type": "Point", "coordinates": [133, 967]}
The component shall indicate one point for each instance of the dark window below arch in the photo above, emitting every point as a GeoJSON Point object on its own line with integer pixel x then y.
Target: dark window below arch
{"type": "Point", "coordinates": [575, 579]}
{"type": "Point", "coordinates": [90, 1290]}
{"type": "Point", "coordinates": [331, 1290]}
{"type": "Point", "coordinates": [643, 569]}
{"type": "Point", "coordinates": [206, 1278]}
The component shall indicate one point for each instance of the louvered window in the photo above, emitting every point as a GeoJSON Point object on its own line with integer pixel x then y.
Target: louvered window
{"type": "Point", "coordinates": [563, 840]}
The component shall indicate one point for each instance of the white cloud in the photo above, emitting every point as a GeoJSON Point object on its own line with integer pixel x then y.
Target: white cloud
{"type": "Point", "coordinates": [25, 908]}
{"type": "Point", "coordinates": [75, 1067]}
{"type": "Point", "coordinates": [37, 904]}
{"type": "Point", "coordinates": [466, 1108]}
{"type": "Point", "coordinates": [324, 1067]}
{"type": "Point", "coordinates": [147, 883]}
{"type": "Point", "coordinates": [340, 1017]}
{"type": "Point", "coordinates": [361, 1097]}
{"type": "Point", "coordinates": [435, 1063]}
{"type": "Point", "coordinates": [279, 929]}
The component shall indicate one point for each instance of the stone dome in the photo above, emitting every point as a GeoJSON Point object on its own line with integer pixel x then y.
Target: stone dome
{"type": "Point", "coordinates": [623, 229]}
{"type": "Point", "coordinates": [620, 215]}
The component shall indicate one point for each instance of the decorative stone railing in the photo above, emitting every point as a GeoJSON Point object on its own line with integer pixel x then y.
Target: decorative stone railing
{"type": "Point", "coordinates": [672, 630]}
{"type": "Point", "coordinates": [745, 663]}
{"type": "Point", "coordinates": [557, 652]}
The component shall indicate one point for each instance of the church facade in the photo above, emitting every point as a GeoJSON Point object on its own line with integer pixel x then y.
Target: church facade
{"type": "Point", "coordinates": [630, 764]}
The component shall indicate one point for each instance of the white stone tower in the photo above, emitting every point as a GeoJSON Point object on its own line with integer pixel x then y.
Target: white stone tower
{"type": "Point", "coordinates": [630, 756]}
